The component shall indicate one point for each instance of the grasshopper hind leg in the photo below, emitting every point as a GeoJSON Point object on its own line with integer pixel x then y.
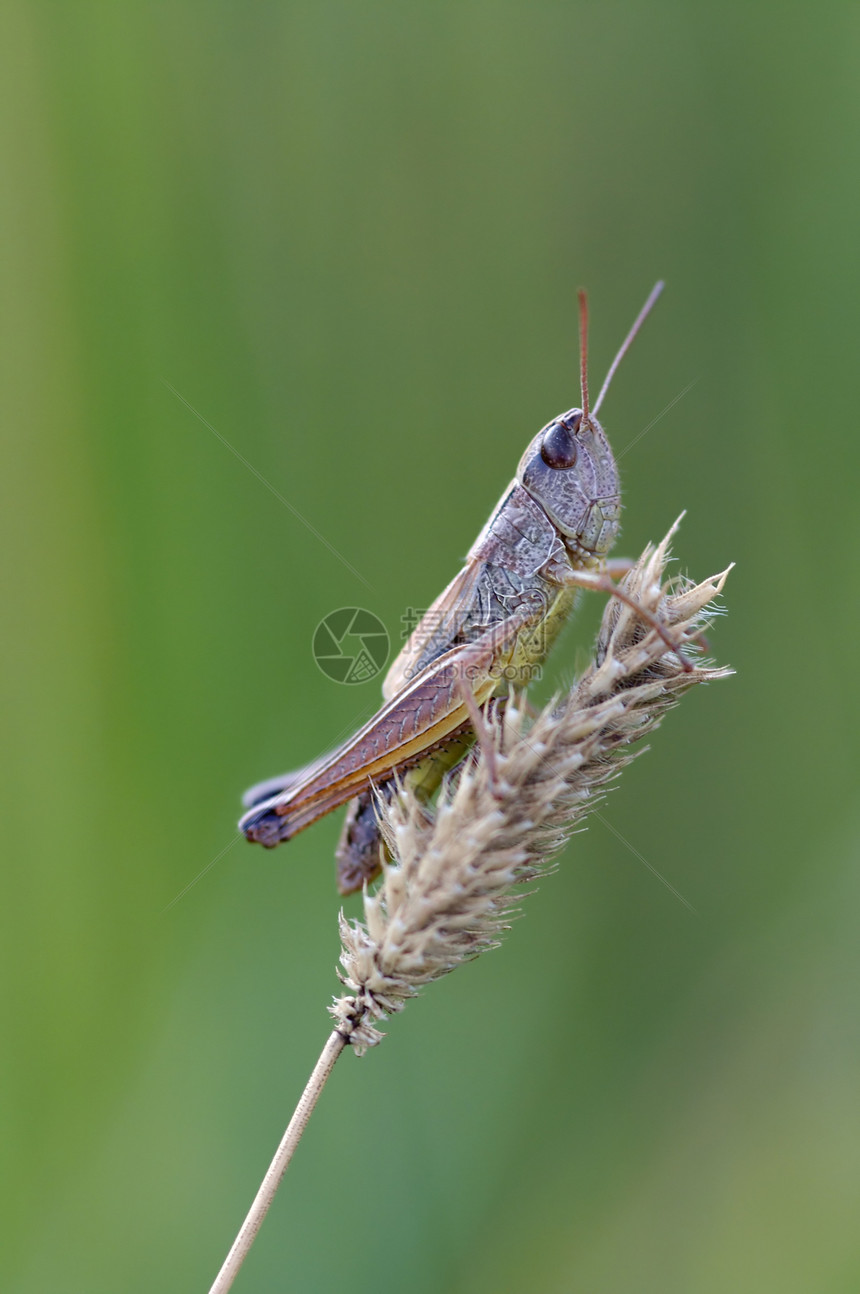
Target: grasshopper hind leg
{"type": "Point", "coordinates": [361, 849]}
{"type": "Point", "coordinates": [265, 828]}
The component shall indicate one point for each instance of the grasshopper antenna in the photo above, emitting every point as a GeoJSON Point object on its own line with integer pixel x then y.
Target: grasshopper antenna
{"type": "Point", "coordinates": [583, 352]}
{"type": "Point", "coordinates": [628, 340]}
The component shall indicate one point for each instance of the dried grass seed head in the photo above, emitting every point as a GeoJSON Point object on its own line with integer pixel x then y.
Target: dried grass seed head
{"type": "Point", "coordinates": [457, 874]}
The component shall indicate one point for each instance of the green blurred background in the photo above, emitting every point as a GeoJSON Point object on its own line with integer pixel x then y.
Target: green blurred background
{"type": "Point", "coordinates": [350, 236]}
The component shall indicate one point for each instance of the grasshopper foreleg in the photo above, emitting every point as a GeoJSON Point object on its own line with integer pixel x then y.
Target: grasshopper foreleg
{"type": "Point", "coordinates": [603, 583]}
{"type": "Point", "coordinates": [617, 567]}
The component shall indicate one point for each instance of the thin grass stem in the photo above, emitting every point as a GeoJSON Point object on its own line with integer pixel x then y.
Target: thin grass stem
{"type": "Point", "coordinates": [275, 1172]}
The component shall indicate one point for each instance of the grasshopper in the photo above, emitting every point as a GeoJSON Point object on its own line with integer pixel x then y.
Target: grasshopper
{"type": "Point", "coordinates": [548, 537]}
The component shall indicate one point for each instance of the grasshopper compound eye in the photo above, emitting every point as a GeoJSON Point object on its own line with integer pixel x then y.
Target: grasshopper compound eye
{"type": "Point", "coordinates": [559, 448]}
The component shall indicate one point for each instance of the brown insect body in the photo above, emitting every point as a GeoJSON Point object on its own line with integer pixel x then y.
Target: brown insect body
{"type": "Point", "coordinates": [549, 535]}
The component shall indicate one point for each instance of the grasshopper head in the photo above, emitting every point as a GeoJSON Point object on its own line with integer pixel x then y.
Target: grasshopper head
{"type": "Point", "coordinates": [569, 470]}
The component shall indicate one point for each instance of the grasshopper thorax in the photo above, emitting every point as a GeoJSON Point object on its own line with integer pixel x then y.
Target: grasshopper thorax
{"type": "Point", "coordinates": [568, 469]}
